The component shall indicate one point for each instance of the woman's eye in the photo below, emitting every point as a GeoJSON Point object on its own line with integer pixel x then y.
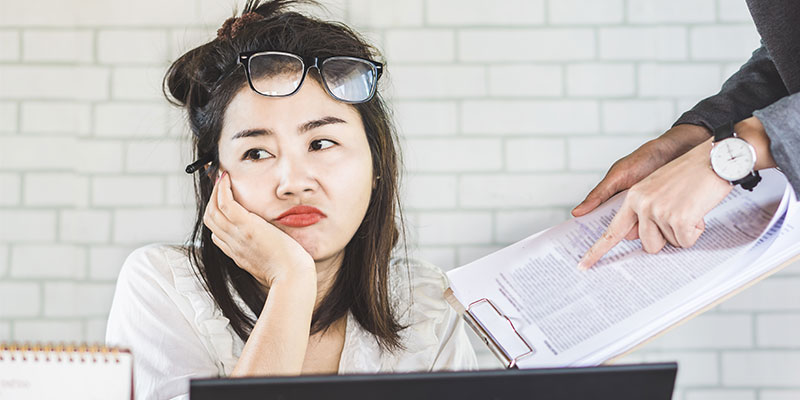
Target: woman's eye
{"type": "Point", "coordinates": [256, 154]}
{"type": "Point", "coordinates": [321, 144]}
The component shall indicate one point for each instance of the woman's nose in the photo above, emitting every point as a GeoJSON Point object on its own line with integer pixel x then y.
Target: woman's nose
{"type": "Point", "coordinates": [295, 177]}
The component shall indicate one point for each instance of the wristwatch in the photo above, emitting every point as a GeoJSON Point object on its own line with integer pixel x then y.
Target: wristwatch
{"type": "Point", "coordinates": [733, 159]}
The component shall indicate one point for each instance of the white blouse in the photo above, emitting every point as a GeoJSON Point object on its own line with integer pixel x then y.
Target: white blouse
{"type": "Point", "coordinates": [163, 314]}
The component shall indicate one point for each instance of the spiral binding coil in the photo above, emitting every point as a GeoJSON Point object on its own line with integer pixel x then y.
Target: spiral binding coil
{"type": "Point", "coordinates": [58, 352]}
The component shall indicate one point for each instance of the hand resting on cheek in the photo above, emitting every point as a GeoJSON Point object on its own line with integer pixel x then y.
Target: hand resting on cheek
{"type": "Point", "coordinates": [256, 245]}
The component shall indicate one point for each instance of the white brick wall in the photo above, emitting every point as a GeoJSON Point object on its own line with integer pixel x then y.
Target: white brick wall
{"type": "Point", "coordinates": [510, 111]}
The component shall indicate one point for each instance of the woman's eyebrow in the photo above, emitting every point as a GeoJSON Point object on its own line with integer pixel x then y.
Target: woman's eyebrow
{"type": "Point", "coordinates": [320, 122]}
{"type": "Point", "coordinates": [251, 132]}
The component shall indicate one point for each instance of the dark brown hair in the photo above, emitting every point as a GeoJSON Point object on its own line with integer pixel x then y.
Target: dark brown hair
{"type": "Point", "coordinates": [203, 81]}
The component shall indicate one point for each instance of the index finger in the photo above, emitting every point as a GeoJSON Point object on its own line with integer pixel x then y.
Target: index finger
{"type": "Point", "coordinates": [620, 225]}
{"type": "Point", "coordinates": [226, 203]}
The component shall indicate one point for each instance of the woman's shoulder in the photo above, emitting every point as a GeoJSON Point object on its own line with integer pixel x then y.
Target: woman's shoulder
{"type": "Point", "coordinates": [155, 261]}
{"type": "Point", "coordinates": [418, 288]}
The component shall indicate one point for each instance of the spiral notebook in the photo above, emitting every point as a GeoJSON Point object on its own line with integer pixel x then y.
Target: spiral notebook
{"type": "Point", "coordinates": [49, 371]}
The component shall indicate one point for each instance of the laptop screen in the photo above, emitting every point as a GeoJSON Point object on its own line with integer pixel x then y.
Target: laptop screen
{"type": "Point", "coordinates": [619, 382]}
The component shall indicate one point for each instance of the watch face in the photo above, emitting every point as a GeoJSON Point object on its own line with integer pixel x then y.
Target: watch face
{"type": "Point", "coordinates": [733, 159]}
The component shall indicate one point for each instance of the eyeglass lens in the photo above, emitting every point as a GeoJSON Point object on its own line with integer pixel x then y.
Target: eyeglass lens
{"type": "Point", "coordinates": [274, 74]}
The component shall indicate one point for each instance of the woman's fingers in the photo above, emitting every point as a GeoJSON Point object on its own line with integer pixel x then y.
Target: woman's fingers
{"type": "Point", "coordinates": [652, 238]}
{"type": "Point", "coordinates": [688, 235]}
{"type": "Point", "coordinates": [634, 232]}
{"type": "Point", "coordinates": [619, 227]}
{"type": "Point", "coordinates": [232, 210]}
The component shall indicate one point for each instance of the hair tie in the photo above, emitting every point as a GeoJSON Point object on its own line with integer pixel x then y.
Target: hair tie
{"type": "Point", "coordinates": [233, 25]}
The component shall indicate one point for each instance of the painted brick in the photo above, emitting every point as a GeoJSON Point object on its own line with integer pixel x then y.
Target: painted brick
{"type": "Point", "coordinates": [106, 261]}
{"type": "Point", "coordinates": [98, 156]}
{"type": "Point", "coordinates": [499, 191]}
{"type": "Point", "coordinates": [656, 11]}
{"type": "Point", "coordinates": [27, 226]}
{"type": "Point", "coordinates": [85, 226]}
{"type": "Point", "coordinates": [430, 191]}
{"type": "Point", "coordinates": [770, 394]}
{"type": "Point", "coordinates": [60, 331]}
{"type": "Point", "coordinates": [96, 330]}
{"type": "Point", "coordinates": [535, 154]}
{"type": "Point", "coordinates": [733, 11]}
{"type": "Point", "coordinates": [513, 226]}
{"type": "Point", "coordinates": [137, 83]}
{"type": "Point", "coordinates": [56, 117]}
{"type": "Point", "coordinates": [130, 119]}
{"type": "Point", "coordinates": [440, 256]}
{"type": "Point", "coordinates": [159, 155]}
{"type": "Point", "coordinates": [678, 80]}
{"type": "Point", "coordinates": [719, 394]}
{"type": "Point", "coordinates": [47, 261]}
{"type": "Point", "coordinates": [132, 47]}
{"type": "Point", "coordinates": [467, 254]}
{"type": "Point", "coordinates": [426, 118]}
{"type": "Point", "coordinates": [10, 185]}
{"type": "Point", "coordinates": [779, 369]}
{"type": "Point", "coordinates": [695, 368]}
{"type": "Point", "coordinates": [152, 225]}
{"type": "Point", "coordinates": [792, 269]}
{"type": "Point", "coordinates": [5, 331]}
{"type": "Point", "coordinates": [599, 153]}
{"type": "Point", "coordinates": [9, 46]}
{"type": "Point", "coordinates": [500, 45]}
{"type": "Point", "coordinates": [35, 153]}
{"type": "Point", "coordinates": [461, 155]}
{"type": "Point", "coordinates": [476, 12]}
{"type": "Point", "coordinates": [778, 330]}
{"type": "Point", "coordinates": [420, 45]}
{"type": "Point", "coordinates": [58, 45]}
{"type": "Point", "coordinates": [8, 117]}
{"type": "Point", "coordinates": [376, 13]}
{"type": "Point", "coordinates": [600, 80]}
{"type": "Point", "coordinates": [586, 11]}
{"type": "Point", "coordinates": [529, 117]}
{"type": "Point", "coordinates": [127, 191]}
{"type": "Point", "coordinates": [438, 81]}
{"type": "Point", "coordinates": [643, 43]}
{"type": "Point", "coordinates": [19, 299]}
{"type": "Point", "coordinates": [4, 255]}
{"type": "Point", "coordinates": [180, 191]}
{"type": "Point", "coordinates": [455, 228]}
{"type": "Point", "coordinates": [72, 299]}
{"type": "Point", "coordinates": [768, 295]}
{"type": "Point", "coordinates": [105, 13]}
{"type": "Point", "coordinates": [637, 116]}
{"type": "Point", "coordinates": [56, 189]}
{"type": "Point", "coordinates": [54, 82]}
{"type": "Point", "coordinates": [182, 40]}
{"type": "Point", "coordinates": [709, 331]}
{"type": "Point", "coordinates": [525, 80]}
{"type": "Point", "coordinates": [724, 42]}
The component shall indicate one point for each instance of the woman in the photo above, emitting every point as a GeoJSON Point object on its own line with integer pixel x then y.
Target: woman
{"type": "Point", "coordinates": [290, 270]}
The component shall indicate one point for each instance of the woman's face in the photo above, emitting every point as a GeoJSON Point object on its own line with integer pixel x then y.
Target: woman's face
{"type": "Point", "coordinates": [303, 150]}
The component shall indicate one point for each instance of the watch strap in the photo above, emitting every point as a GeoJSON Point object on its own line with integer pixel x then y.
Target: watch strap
{"type": "Point", "coordinates": [723, 131]}
{"type": "Point", "coordinates": [749, 181]}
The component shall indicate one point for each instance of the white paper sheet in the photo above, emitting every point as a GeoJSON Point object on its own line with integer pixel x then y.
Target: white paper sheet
{"type": "Point", "coordinates": [573, 317]}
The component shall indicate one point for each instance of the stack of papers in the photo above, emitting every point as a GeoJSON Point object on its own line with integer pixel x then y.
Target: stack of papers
{"type": "Point", "coordinates": [536, 309]}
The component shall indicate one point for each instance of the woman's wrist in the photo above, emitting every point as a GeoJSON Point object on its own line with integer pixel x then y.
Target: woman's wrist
{"type": "Point", "coordinates": [753, 132]}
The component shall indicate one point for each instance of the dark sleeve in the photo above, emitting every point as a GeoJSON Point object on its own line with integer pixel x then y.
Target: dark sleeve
{"type": "Point", "coordinates": [756, 85]}
{"type": "Point", "coordinates": [781, 120]}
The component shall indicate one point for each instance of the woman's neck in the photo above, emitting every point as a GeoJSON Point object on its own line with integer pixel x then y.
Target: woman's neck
{"type": "Point", "coordinates": [327, 270]}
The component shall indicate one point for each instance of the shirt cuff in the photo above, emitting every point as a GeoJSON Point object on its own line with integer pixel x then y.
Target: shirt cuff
{"type": "Point", "coordinates": [781, 121]}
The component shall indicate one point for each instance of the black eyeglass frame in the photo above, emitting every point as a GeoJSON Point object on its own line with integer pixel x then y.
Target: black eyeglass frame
{"type": "Point", "coordinates": [308, 63]}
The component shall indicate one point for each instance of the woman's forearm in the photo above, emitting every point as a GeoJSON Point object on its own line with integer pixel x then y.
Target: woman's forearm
{"type": "Point", "coordinates": [277, 345]}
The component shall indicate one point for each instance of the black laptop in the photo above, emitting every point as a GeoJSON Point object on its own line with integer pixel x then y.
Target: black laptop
{"type": "Point", "coordinates": [618, 382]}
